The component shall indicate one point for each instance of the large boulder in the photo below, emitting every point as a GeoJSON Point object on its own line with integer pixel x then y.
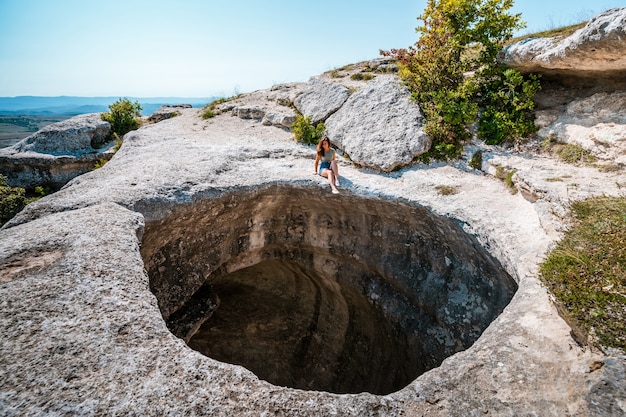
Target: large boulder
{"type": "Point", "coordinates": [597, 50]}
{"type": "Point", "coordinates": [320, 99]}
{"type": "Point", "coordinates": [58, 152]}
{"type": "Point", "coordinates": [379, 126]}
{"type": "Point", "coordinates": [78, 135]}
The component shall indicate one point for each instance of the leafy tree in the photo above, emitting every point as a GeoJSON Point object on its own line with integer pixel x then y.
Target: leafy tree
{"type": "Point", "coordinates": [123, 116]}
{"type": "Point", "coordinates": [452, 72]}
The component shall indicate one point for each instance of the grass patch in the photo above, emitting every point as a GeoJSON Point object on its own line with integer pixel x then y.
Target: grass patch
{"type": "Point", "coordinates": [210, 110]}
{"type": "Point", "coordinates": [568, 152]}
{"type": "Point", "coordinates": [348, 67]}
{"type": "Point", "coordinates": [586, 272]}
{"type": "Point", "coordinates": [446, 190]}
{"type": "Point", "coordinates": [611, 167]}
{"type": "Point", "coordinates": [360, 76]}
{"type": "Point", "coordinates": [573, 154]}
{"type": "Point", "coordinates": [476, 161]}
{"type": "Point", "coordinates": [506, 175]}
{"type": "Point", "coordinates": [561, 32]}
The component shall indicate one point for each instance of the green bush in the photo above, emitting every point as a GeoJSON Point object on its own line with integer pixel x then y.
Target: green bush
{"type": "Point", "coordinates": [452, 72]}
{"type": "Point", "coordinates": [508, 106]}
{"type": "Point", "coordinates": [304, 131]}
{"type": "Point", "coordinates": [476, 161]}
{"type": "Point", "coordinates": [12, 200]}
{"type": "Point", "coordinates": [123, 116]}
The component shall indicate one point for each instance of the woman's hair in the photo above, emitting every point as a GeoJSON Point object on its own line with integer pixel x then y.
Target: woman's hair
{"type": "Point", "coordinates": [320, 145]}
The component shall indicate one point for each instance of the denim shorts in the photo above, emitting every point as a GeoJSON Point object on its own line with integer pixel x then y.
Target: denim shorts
{"type": "Point", "coordinates": [323, 166]}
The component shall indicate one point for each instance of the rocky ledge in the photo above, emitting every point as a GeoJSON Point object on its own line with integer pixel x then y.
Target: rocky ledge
{"type": "Point", "coordinates": [58, 152]}
{"type": "Point", "coordinates": [595, 54]}
{"type": "Point", "coordinates": [220, 222]}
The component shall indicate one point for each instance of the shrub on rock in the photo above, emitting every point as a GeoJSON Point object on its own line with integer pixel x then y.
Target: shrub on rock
{"type": "Point", "coordinates": [123, 116]}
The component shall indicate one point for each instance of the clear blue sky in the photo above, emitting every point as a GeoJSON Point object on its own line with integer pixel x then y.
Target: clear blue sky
{"type": "Point", "coordinates": [202, 48]}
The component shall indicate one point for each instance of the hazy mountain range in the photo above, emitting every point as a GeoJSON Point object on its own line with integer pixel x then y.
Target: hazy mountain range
{"type": "Point", "coordinates": [70, 106]}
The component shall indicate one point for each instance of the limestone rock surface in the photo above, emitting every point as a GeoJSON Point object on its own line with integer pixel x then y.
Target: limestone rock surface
{"type": "Point", "coordinates": [279, 119]}
{"type": "Point", "coordinates": [379, 126]}
{"type": "Point", "coordinates": [597, 123]}
{"type": "Point", "coordinates": [285, 94]}
{"type": "Point", "coordinates": [320, 99]}
{"type": "Point", "coordinates": [83, 333]}
{"type": "Point", "coordinates": [597, 50]}
{"type": "Point", "coordinates": [75, 136]}
{"type": "Point", "coordinates": [272, 108]}
{"type": "Point", "coordinates": [57, 153]}
{"type": "Point", "coordinates": [166, 112]}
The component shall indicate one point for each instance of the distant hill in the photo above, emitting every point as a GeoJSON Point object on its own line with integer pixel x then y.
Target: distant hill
{"type": "Point", "coordinates": [71, 106]}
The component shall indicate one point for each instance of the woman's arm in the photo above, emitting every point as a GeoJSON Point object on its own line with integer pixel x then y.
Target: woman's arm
{"type": "Point", "coordinates": [317, 160]}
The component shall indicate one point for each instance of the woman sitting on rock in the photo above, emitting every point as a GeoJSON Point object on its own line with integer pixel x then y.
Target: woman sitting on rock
{"type": "Point", "coordinates": [328, 167]}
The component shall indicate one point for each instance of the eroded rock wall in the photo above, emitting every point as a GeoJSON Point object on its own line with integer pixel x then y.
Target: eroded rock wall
{"type": "Point", "coordinates": [433, 284]}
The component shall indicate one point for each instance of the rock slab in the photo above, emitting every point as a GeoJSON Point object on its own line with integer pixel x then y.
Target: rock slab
{"type": "Point", "coordinates": [76, 136]}
{"type": "Point", "coordinates": [596, 50]}
{"type": "Point", "coordinates": [58, 152]}
{"type": "Point", "coordinates": [379, 126]}
{"type": "Point", "coordinates": [320, 99]}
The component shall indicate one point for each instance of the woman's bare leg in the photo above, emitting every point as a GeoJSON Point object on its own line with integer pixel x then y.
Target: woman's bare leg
{"type": "Point", "coordinates": [335, 168]}
{"type": "Point", "coordinates": [331, 178]}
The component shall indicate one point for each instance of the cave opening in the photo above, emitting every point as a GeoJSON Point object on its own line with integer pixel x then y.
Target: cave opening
{"type": "Point", "coordinates": [344, 294]}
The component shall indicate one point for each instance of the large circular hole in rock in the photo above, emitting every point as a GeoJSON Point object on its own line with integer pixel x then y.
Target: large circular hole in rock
{"type": "Point", "coordinates": [310, 290]}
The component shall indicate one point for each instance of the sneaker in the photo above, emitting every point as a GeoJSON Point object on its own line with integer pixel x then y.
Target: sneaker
{"type": "Point", "coordinates": [336, 183]}
{"type": "Point", "coordinates": [335, 191]}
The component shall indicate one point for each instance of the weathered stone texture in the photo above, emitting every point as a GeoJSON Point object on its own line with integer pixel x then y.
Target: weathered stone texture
{"type": "Point", "coordinates": [75, 136]}
{"type": "Point", "coordinates": [320, 99]}
{"type": "Point", "coordinates": [597, 123]}
{"type": "Point", "coordinates": [81, 332]}
{"type": "Point", "coordinates": [57, 153]}
{"type": "Point", "coordinates": [379, 126]}
{"type": "Point", "coordinates": [279, 119]}
{"type": "Point", "coordinates": [598, 50]}
{"type": "Point", "coordinates": [167, 112]}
